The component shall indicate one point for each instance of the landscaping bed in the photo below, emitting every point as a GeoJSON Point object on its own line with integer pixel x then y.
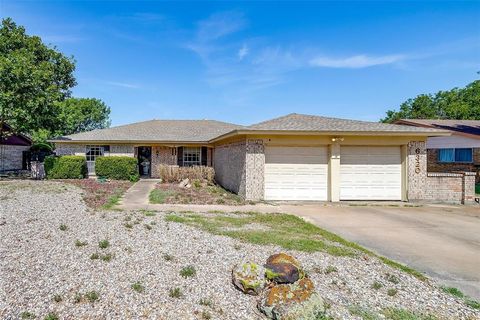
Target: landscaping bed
{"type": "Point", "coordinates": [98, 194]}
{"type": "Point", "coordinates": [60, 258]}
{"type": "Point", "coordinates": [196, 193]}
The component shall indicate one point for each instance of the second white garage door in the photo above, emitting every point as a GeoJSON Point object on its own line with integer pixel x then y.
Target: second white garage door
{"type": "Point", "coordinates": [296, 173]}
{"type": "Point", "coordinates": [370, 173]}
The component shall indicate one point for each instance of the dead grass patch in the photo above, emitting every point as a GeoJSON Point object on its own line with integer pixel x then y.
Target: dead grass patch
{"type": "Point", "coordinates": [171, 193]}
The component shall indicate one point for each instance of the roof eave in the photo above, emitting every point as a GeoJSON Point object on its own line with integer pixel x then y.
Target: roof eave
{"type": "Point", "coordinates": [437, 133]}
{"type": "Point", "coordinates": [128, 142]}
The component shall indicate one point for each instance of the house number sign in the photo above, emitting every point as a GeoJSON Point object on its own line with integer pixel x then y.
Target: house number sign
{"type": "Point", "coordinates": [417, 161]}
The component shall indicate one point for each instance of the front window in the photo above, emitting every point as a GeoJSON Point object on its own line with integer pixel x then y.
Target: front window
{"type": "Point", "coordinates": [192, 156]}
{"type": "Point", "coordinates": [93, 152]}
{"type": "Point", "coordinates": [455, 155]}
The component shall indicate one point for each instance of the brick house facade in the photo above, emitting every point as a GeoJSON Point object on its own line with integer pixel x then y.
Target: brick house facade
{"type": "Point", "coordinates": [295, 157]}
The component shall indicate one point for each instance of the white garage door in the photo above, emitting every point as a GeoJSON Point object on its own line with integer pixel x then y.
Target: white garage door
{"type": "Point", "coordinates": [296, 173]}
{"type": "Point", "coordinates": [370, 173]}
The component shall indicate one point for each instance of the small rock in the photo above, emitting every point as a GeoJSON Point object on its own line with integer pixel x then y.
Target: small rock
{"type": "Point", "coordinates": [283, 268]}
{"type": "Point", "coordinates": [297, 301]}
{"type": "Point", "coordinates": [249, 278]}
{"type": "Point", "coordinates": [184, 183]}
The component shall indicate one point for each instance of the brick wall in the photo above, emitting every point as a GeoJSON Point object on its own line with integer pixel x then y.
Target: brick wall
{"type": "Point", "coordinates": [435, 166]}
{"type": "Point", "coordinates": [162, 155]}
{"type": "Point", "coordinates": [122, 150]}
{"type": "Point", "coordinates": [229, 162]}
{"type": "Point", "coordinates": [455, 187]}
{"type": "Point", "coordinates": [416, 169]}
{"type": "Point", "coordinates": [469, 187]}
{"type": "Point", "coordinates": [67, 149]}
{"type": "Point", "coordinates": [11, 157]}
{"type": "Point", "coordinates": [255, 169]}
{"type": "Point", "coordinates": [444, 187]}
{"type": "Point", "coordinates": [63, 149]}
{"type": "Point", "coordinates": [450, 187]}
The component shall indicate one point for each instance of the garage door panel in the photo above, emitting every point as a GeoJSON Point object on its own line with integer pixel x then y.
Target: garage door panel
{"type": "Point", "coordinates": [370, 173]}
{"type": "Point", "coordinates": [296, 173]}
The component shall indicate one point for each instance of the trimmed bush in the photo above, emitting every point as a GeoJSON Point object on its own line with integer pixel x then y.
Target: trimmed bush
{"type": "Point", "coordinates": [117, 168]}
{"type": "Point", "coordinates": [65, 167]}
{"type": "Point", "coordinates": [175, 173]}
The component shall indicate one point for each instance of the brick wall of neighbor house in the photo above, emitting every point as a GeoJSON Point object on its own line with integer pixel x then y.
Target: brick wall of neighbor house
{"type": "Point", "coordinates": [11, 157]}
{"type": "Point", "coordinates": [162, 155]}
{"type": "Point", "coordinates": [229, 164]}
{"type": "Point", "coordinates": [435, 166]}
{"type": "Point", "coordinates": [469, 187]}
{"type": "Point", "coordinates": [447, 187]}
{"type": "Point", "coordinates": [450, 187]}
{"type": "Point", "coordinates": [456, 187]}
{"type": "Point", "coordinates": [255, 169]}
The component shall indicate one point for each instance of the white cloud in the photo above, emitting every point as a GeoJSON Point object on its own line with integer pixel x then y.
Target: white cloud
{"type": "Point", "coordinates": [356, 62]}
{"type": "Point", "coordinates": [123, 84]}
{"type": "Point", "coordinates": [243, 52]}
{"type": "Point", "coordinates": [219, 25]}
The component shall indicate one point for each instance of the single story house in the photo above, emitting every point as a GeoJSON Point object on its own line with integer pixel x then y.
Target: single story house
{"type": "Point", "coordinates": [12, 150]}
{"type": "Point", "coordinates": [458, 152]}
{"type": "Point", "coordinates": [293, 157]}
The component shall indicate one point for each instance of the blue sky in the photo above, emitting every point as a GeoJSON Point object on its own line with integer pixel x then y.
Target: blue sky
{"type": "Point", "coordinates": [245, 62]}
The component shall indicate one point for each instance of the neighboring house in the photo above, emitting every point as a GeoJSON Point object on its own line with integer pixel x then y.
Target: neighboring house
{"type": "Point", "coordinates": [294, 157]}
{"type": "Point", "coordinates": [458, 152]}
{"type": "Point", "coordinates": [12, 155]}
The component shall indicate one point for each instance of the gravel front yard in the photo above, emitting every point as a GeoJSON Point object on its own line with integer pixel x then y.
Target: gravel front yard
{"type": "Point", "coordinates": [49, 237]}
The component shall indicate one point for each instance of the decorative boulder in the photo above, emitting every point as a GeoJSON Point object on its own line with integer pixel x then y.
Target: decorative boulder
{"type": "Point", "coordinates": [249, 278]}
{"type": "Point", "coordinates": [297, 301]}
{"type": "Point", "coordinates": [283, 268]}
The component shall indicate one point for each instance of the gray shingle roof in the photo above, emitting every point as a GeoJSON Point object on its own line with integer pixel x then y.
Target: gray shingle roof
{"type": "Point", "coordinates": [463, 126]}
{"type": "Point", "coordinates": [203, 131]}
{"type": "Point", "coordinates": [302, 122]}
{"type": "Point", "coordinates": [157, 130]}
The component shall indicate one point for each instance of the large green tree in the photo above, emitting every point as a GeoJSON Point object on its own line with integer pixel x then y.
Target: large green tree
{"type": "Point", "coordinates": [458, 103]}
{"type": "Point", "coordinates": [82, 114]}
{"type": "Point", "coordinates": [33, 79]}
{"type": "Point", "coordinates": [35, 84]}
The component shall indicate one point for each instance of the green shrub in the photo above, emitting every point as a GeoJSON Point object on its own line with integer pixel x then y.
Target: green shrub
{"type": "Point", "coordinates": [65, 167]}
{"type": "Point", "coordinates": [117, 168]}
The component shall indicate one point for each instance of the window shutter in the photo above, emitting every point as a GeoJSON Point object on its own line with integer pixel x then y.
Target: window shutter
{"type": "Point", "coordinates": [180, 156]}
{"type": "Point", "coordinates": [204, 156]}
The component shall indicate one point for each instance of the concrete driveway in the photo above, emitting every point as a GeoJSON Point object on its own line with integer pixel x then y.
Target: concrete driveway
{"type": "Point", "coordinates": [442, 241]}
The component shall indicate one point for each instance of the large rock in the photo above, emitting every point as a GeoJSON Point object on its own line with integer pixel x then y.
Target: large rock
{"type": "Point", "coordinates": [297, 301]}
{"type": "Point", "coordinates": [283, 268]}
{"type": "Point", "coordinates": [249, 278]}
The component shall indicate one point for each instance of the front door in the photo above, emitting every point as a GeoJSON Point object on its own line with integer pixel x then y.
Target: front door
{"type": "Point", "coordinates": [144, 161]}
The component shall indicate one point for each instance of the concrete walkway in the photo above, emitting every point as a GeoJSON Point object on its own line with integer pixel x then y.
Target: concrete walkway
{"type": "Point", "coordinates": [137, 195]}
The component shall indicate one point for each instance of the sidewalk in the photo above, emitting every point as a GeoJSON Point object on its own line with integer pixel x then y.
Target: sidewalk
{"type": "Point", "coordinates": [136, 196]}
